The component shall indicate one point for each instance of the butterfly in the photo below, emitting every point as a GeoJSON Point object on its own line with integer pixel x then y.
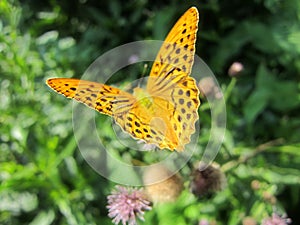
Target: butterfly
{"type": "Point", "coordinates": [165, 112]}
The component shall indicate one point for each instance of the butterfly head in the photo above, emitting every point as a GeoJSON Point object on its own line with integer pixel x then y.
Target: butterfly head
{"type": "Point", "coordinates": [143, 97]}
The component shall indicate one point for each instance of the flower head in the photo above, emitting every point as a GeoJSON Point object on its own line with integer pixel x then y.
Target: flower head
{"type": "Point", "coordinates": [125, 204]}
{"type": "Point", "coordinates": [203, 222]}
{"type": "Point", "coordinates": [162, 185]}
{"type": "Point", "coordinates": [207, 222]}
{"type": "Point", "coordinates": [209, 88]}
{"type": "Point", "coordinates": [207, 179]}
{"type": "Point", "coordinates": [275, 219]}
{"type": "Point", "coordinates": [249, 221]}
{"type": "Point", "coordinates": [235, 69]}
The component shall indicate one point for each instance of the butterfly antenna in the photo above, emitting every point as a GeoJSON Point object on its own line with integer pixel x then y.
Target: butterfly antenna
{"type": "Point", "coordinates": [143, 75]}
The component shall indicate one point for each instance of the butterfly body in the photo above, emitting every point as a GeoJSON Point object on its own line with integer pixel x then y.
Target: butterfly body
{"type": "Point", "coordinates": [165, 112]}
{"type": "Point", "coordinates": [145, 99]}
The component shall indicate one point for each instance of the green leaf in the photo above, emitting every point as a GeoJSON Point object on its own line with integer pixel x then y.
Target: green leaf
{"type": "Point", "coordinates": [255, 104]}
{"type": "Point", "coordinates": [16, 202]}
{"type": "Point", "coordinates": [286, 96]}
{"type": "Point", "coordinates": [43, 218]}
{"type": "Point", "coordinates": [270, 91]}
{"type": "Point", "coordinates": [278, 175]}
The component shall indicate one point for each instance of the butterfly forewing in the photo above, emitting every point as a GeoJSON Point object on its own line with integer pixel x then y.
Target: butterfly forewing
{"type": "Point", "coordinates": [103, 98]}
{"type": "Point", "coordinates": [176, 56]}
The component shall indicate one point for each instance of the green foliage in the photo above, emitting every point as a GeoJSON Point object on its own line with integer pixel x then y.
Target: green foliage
{"type": "Point", "coordinates": [43, 177]}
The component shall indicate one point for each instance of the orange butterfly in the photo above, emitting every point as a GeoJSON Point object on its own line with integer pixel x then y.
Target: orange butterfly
{"type": "Point", "coordinates": [166, 111]}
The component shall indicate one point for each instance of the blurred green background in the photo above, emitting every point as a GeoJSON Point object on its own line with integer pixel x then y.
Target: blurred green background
{"type": "Point", "coordinates": [44, 179]}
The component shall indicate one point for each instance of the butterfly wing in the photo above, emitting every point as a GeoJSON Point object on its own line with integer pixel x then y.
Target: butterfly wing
{"type": "Point", "coordinates": [132, 115]}
{"type": "Point", "coordinates": [175, 58]}
{"type": "Point", "coordinates": [147, 120]}
{"type": "Point", "coordinates": [103, 98]}
{"type": "Point", "coordinates": [167, 119]}
{"type": "Point", "coordinates": [169, 77]}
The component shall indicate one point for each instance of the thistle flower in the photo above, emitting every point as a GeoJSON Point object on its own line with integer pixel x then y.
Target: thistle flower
{"type": "Point", "coordinates": [162, 185]}
{"type": "Point", "coordinates": [249, 221]}
{"type": "Point", "coordinates": [255, 185]}
{"type": "Point", "coordinates": [275, 219]}
{"type": "Point", "coordinates": [203, 222]}
{"type": "Point", "coordinates": [235, 69]}
{"type": "Point", "coordinates": [207, 222]}
{"type": "Point", "coordinates": [208, 180]}
{"type": "Point", "coordinates": [125, 204]}
{"type": "Point", "coordinates": [269, 197]}
{"type": "Point", "coordinates": [209, 88]}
